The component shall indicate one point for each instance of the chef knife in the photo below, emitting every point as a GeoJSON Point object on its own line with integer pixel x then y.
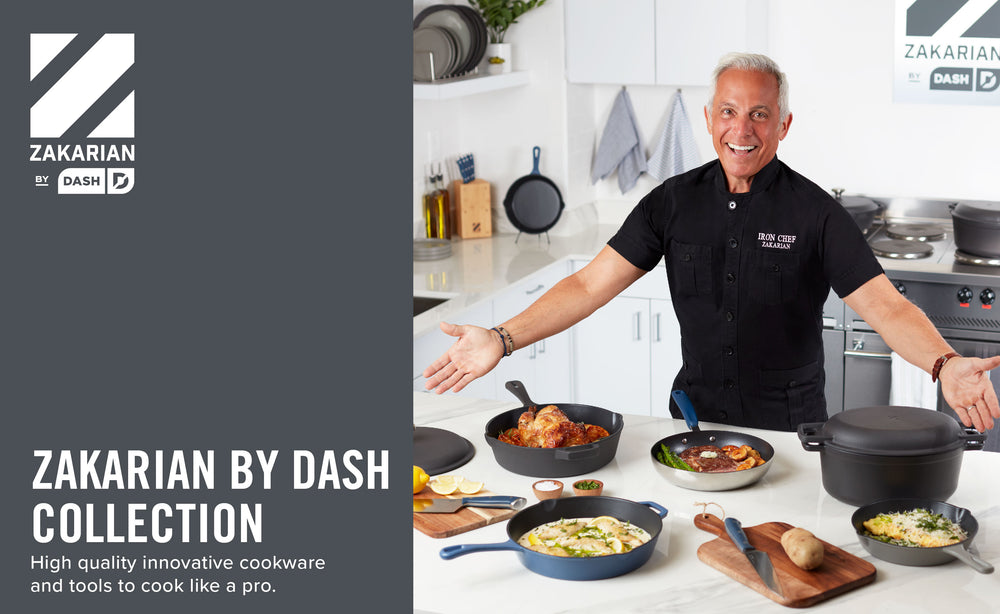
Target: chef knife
{"type": "Point", "coordinates": [447, 506]}
{"type": "Point", "coordinates": [760, 561]}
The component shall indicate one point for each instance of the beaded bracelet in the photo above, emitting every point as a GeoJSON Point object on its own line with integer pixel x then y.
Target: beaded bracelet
{"type": "Point", "coordinates": [505, 339]}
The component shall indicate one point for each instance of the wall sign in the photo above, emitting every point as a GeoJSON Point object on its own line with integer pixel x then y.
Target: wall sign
{"type": "Point", "coordinates": [947, 52]}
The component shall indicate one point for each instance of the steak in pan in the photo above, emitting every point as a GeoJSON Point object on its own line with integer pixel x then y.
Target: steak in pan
{"type": "Point", "coordinates": [709, 459]}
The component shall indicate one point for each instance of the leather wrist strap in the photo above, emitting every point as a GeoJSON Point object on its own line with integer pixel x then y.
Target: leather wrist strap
{"type": "Point", "coordinates": [939, 363]}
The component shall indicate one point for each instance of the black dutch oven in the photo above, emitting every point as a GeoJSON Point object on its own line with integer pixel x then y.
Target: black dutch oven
{"type": "Point", "coordinates": [862, 209]}
{"type": "Point", "coordinates": [889, 452]}
{"type": "Point", "coordinates": [554, 462]}
{"type": "Point", "coordinates": [570, 568]}
{"type": "Point", "coordinates": [977, 227]}
{"type": "Point", "coordinates": [921, 557]}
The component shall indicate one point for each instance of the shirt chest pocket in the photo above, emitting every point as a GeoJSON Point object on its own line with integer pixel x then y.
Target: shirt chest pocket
{"type": "Point", "coordinates": [691, 266]}
{"type": "Point", "coordinates": [774, 276]}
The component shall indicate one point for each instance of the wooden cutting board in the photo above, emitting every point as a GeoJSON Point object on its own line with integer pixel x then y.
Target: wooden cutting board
{"type": "Point", "coordinates": [839, 573]}
{"type": "Point", "coordinates": [465, 519]}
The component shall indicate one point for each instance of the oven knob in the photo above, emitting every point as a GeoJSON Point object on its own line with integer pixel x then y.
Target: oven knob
{"type": "Point", "coordinates": [987, 296]}
{"type": "Point", "coordinates": [901, 287]}
{"type": "Point", "coordinates": [964, 296]}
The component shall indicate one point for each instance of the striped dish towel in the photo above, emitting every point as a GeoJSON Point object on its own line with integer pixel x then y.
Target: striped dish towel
{"type": "Point", "coordinates": [676, 151]}
{"type": "Point", "coordinates": [621, 146]}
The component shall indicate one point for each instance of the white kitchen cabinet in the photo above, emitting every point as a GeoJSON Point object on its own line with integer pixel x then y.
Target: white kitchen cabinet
{"type": "Point", "coordinates": [429, 346]}
{"type": "Point", "coordinates": [610, 42]}
{"type": "Point", "coordinates": [666, 42]}
{"type": "Point", "coordinates": [627, 353]}
{"type": "Point", "coordinates": [544, 366]}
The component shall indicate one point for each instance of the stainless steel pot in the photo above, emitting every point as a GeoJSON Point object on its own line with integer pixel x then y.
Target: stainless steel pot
{"type": "Point", "coordinates": [977, 227]}
{"type": "Point", "coordinates": [889, 452]}
{"type": "Point", "coordinates": [695, 480]}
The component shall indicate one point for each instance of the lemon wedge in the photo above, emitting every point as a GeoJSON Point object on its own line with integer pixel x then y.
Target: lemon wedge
{"type": "Point", "coordinates": [444, 484]}
{"type": "Point", "coordinates": [420, 479]}
{"type": "Point", "coordinates": [468, 487]}
{"type": "Point", "coordinates": [533, 539]}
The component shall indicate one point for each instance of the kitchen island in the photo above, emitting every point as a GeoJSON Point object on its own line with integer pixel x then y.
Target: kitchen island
{"type": "Point", "coordinates": [674, 579]}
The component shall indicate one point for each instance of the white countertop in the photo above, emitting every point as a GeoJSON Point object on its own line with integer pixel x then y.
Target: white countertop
{"type": "Point", "coordinates": [478, 269]}
{"type": "Point", "coordinates": [674, 579]}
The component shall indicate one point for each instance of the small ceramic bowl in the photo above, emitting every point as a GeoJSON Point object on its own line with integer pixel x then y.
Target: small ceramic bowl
{"type": "Point", "coordinates": [547, 489]}
{"type": "Point", "coordinates": [588, 492]}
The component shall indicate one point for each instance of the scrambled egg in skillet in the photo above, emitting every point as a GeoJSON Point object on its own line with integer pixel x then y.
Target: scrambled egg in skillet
{"type": "Point", "coordinates": [915, 528]}
{"type": "Point", "coordinates": [585, 537]}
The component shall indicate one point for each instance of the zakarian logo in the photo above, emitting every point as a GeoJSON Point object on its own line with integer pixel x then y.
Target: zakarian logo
{"type": "Point", "coordinates": [953, 18]}
{"type": "Point", "coordinates": [82, 116]}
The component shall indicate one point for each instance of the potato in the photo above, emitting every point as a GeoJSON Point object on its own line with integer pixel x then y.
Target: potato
{"type": "Point", "coordinates": [803, 548]}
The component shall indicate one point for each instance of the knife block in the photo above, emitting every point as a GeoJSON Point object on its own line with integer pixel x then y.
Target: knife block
{"type": "Point", "coordinates": [473, 210]}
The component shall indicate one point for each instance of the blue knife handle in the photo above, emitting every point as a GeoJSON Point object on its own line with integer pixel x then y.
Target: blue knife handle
{"type": "Point", "coordinates": [735, 531]}
{"type": "Point", "coordinates": [495, 501]}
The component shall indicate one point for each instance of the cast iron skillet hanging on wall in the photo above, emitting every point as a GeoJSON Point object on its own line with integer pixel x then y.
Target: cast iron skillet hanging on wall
{"type": "Point", "coordinates": [533, 202]}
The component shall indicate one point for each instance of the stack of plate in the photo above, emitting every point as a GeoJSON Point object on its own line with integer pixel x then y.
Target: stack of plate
{"type": "Point", "coordinates": [448, 41]}
{"type": "Point", "coordinates": [431, 249]}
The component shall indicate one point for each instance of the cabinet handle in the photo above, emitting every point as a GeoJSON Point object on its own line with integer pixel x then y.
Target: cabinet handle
{"type": "Point", "coordinates": [535, 289]}
{"type": "Point", "coordinates": [532, 353]}
{"type": "Point", "coordinates": [541, 344]}
{"type": "Point", "coordinates": [858, 354]}
{"type": "Point", "coordinates": [657, 323]}
{"type": "Point", "coordinates": [636, 326]}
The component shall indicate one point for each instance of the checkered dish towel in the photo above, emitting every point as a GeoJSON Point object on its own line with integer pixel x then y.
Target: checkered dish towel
{"type": "Point", "coordinates": [621, 146]}
{"type": "Point", "coordinates": [676, 151]}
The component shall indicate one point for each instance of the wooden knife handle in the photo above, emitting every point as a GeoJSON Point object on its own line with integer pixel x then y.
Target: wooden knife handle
{"type": "Point", "coordinates": [710, 523]}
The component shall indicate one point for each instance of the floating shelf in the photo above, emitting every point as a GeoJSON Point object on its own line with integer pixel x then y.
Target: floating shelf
{"type": "Point", "coordinates": [469, 85]}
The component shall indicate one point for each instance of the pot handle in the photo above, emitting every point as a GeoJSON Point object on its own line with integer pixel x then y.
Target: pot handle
{"type": "Point", "coordinates": [973, 561]}
{"type": "Point", "coordinates": [974, 440]}
{"type": "Point", "coordinates": [810, 438]}
{"type": "Point", "coordinates": [687, 409]}
{"type": "Point", "coordinates": [520, 392]}
{"type": "Point", "coordinates": [660, 510]}
{"type": "Point", "coordinates": [587, 450]}
{"type": "Point", "coordinates": [450, 552]}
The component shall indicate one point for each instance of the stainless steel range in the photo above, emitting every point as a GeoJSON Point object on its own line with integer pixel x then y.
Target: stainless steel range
{"type": "Point", "coordinates": [913, 241]}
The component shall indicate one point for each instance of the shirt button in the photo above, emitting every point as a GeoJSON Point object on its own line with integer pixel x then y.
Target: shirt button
{"type": "Point", "coordinates": [776, 268]}
{"type": "Point", "coordinates": [730, 316]}
{"type": "Point", "coordinates": [730, 277]}
{"type": "Point", "coordinates": [730, 351]}
{"type": "Point", "coordinates": [723, 415]}
{"type": "Point", "coordinates": [732, 205]}
{"type": "Point", "coordinates": [730, 384]}
{"type": "Point", "coordinates": [686, 257]}
{"type": "Point", "coordinates": [733, 243]}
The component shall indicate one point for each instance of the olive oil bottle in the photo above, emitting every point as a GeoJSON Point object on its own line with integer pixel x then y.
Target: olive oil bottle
{"type": "Point", "coordinates": [442, 205]}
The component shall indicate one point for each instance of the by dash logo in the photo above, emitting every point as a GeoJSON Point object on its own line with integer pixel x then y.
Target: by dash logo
{"type": "Point", "coordinates": [82, 115]}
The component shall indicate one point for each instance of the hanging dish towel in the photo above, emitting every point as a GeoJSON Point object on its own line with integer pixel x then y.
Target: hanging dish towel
{"type": "Point", "coordinates": [676, 151]}
{"type": "Point", "coordinates": [910, 386]}
{"type": "Point", "coordinates": [621, 146]}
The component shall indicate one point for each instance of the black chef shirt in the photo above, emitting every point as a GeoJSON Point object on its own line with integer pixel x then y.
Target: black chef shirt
{"type": "Point", "coordinates": [748, 276]}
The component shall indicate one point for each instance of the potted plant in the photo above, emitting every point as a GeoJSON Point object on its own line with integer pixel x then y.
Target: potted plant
{"type": "Point", "coordinates": [499, 15]}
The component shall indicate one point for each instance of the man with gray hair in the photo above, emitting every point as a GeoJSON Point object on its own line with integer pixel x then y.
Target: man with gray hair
{"type": "Point", "coordinates": [752, 250]}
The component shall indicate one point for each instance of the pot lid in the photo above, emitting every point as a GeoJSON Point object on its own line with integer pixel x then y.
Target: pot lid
{"type": "Point", "coordinates": [893, 431]}
{"type": "Point", "coordinates": [984, 212]}
{"type": "Point", "coordinates": [855, 204]}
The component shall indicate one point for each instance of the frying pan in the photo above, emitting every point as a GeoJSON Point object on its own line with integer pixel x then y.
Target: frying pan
{"type": "Point", "coordinates": [554, 462]}
{"type": "Point", "coordinates": [533, 203]}
{"type": "Point", "coordinates": [921, 557]}
{"type": "Point", "coordinates": [570, 568]}
{"type": "Point", "coordinates": [695, 480]}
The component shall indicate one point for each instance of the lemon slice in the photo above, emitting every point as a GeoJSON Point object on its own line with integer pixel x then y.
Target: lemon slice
{"type": "Point", "coordinates": [605, 520]}
{"type": "Point", "coordinates": [616, 544]}
{"type": "Point", "coordinates": [444, 484]}
{"type": "Point", "coordinates": [468, 487]}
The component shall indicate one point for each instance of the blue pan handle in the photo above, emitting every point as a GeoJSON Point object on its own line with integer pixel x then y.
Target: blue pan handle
{"type": "Point", "coordinates": [450, 552]}
{"type": "Point", "coordinates": [735, 531]}
{"type": "Point", "coordinates": [660, 510]}
{"type": "Point", "coordinates": [687, 409]}
{"type": "Point", "coordinates": [536, 153]}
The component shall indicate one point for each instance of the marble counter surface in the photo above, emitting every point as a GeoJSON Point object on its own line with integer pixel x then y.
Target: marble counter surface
{"type": "Point", "coordinates": [478, 269]}
{"type": "Point", "coordinates": [674, 579]}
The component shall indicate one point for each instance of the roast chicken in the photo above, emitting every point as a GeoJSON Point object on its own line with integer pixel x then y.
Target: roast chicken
{"type": "Point", "coordinates": [550, 428]}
